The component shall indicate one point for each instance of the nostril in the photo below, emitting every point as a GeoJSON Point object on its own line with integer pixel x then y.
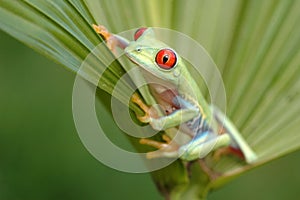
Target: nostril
{"type": "Point", "coordinates": [138, 49]}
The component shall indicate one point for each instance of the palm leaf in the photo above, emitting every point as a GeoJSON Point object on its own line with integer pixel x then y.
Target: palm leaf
{"type": "Point", "coordinates": [255, 44]}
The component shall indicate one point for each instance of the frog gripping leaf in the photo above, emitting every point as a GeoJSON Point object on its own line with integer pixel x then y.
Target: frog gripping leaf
{"type": "Point", "coordinates": [185, 109]}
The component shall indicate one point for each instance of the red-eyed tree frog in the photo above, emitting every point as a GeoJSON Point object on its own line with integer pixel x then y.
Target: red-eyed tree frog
{"type": "Point", "coordinates": [176, 91]}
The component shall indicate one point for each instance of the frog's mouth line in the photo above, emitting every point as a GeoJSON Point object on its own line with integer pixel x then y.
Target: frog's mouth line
{"type": "Point", "coordinates": [136, 63]}
{"type": "Point", "coordinates": [131, 59]}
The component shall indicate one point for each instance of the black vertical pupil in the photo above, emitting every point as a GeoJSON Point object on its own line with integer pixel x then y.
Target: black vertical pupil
{"type": "Point", "coordinates": [165, 58]}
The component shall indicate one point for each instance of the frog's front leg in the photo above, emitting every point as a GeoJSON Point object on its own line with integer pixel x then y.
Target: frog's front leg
{"type": "Point", "coordinates": [162, 123]}
{"type": "Point", "coordinates": [237, 141]}
{"type": "Point", "coordinates": [149, 112]}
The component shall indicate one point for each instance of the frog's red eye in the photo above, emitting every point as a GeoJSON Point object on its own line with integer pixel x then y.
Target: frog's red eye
{"type": "Point", "coordinates": [166, 59]}
{"type": "Point", "coordinates": [139, 32]}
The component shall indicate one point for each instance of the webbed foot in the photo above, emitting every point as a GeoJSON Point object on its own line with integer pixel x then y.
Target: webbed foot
{"type": "Point", "coordinates": [109, 38]}
{"type": "Point", "coordinates": [227, 151]}
{"type": "Point", "coordinates": [149, 113]}
{"type": "Point", "coordinates": [165, 149]}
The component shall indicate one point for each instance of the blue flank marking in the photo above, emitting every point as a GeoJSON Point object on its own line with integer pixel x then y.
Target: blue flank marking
{"type": "Point", "coordinates": [198, 126]}
{"type": "Point", "coordinates": [188, 149]}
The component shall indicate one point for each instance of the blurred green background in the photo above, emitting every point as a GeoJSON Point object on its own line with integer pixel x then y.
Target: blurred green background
{"type": "Point", "coordinates": [41, 156]}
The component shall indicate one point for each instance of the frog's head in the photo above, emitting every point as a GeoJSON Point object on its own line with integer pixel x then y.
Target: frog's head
{"type": "Point", "coordinates": [154, 56]}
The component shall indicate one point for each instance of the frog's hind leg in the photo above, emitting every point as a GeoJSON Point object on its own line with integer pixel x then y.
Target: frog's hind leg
{"type": "Point", "coordinates": [112, 40]}
{"type": "Point", "coordinates": [165, 149]}
{"type": "Point", "coordinates": [237, 139]}
{"type": "Point", "coordinates": [212, 175]}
